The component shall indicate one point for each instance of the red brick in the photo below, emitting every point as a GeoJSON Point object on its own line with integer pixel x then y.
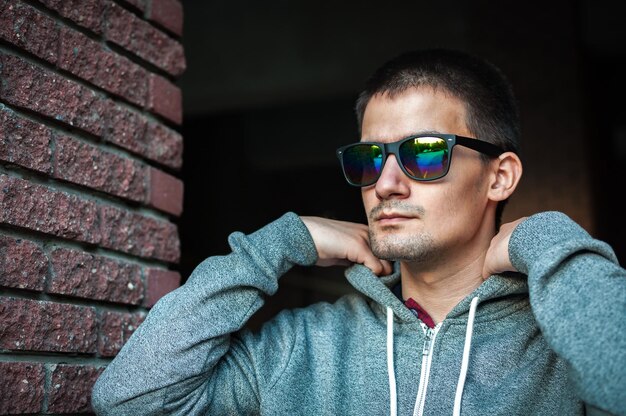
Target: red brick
{"type": "Point", "coordinates": [144, 40]}
{"type": "Point", "coordinates": [115, 329]}
{"type": "Point", "coordinates": [165, 99]}
{"type": "Point", "coordinates": [169, 14]}
{"type": "Point", "coordinates": [166, 192]}
{"type": "Point", "coordinates": [70, 388]}
{"type": "Point", "coordinates": [86, 13]}
{"type": "Point", "coordinates": [90, 61]}
{"type": "Point", "coordinates": [158, 284]}
{"type": "Point", "coordinates": [24, 142]}
{"type": "Point", "coordinates": [164, 145]}
{"type": "Point", "coordinates": [21, 387]}
{"type": "Point", "coordinates": [139, 235]}
{"type": "Point", "coordinates": [23, 264]}
{"type": "Point", "coordinates": [126, 129]}
{"type": "Point", "coordinates": [31, 325]}
{"type": "Point", "coordinates": [38, 208]}
{"type": "Point", "coordinates": [152, 140]}
{"type": "Point", "coordinates": [25, 85]}
{"type": "Point", "coordinates": [29, 29]}
{"type": "Point", "coordinates": [81, 163]}
{"type": "Point", "coordinates": [84, 275]}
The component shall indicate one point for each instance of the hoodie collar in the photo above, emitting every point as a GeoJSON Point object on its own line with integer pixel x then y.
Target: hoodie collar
{"type": "Point", "coordinates": [379, 289]}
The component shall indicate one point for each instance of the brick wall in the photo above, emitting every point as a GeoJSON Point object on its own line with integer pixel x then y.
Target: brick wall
{"type": "Point", "coordinates": [89, 195]}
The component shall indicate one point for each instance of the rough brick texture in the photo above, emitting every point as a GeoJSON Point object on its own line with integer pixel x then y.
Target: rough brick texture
{"type": "Point", "coordinates": [90, 61]}
{"type": "Point", "coordinates": [87, 165]}
{"type": "Point", "coordinates": [21, 387]}
{"type": "Point", "coordinates": [139, 235]}
{"type": "Point", "coordinates": [134, 132]}
{"type": "Point", "coordinates": [164, 144]}
{"type": "Point", "coordinates": [144, 40]}
{"type": "Point", "coordinates": [28, 29]}
{"type": "Point", "coordinates": [166, 192]}
{"type": "Point", "coordinates": [159, 283]}
{"type": "Point", "coordinates": [86, 13]}
{"type": "Point", "coordinates": [38, 208]}
{"type": "Point", "coordinates": [84, 275]}
{"type": "Point", "coordinates": [31, 325]}
{"type": "Point", "coordinates": [23, 264]}
{"type": "Point", "coordinates": [31, 87]}
{"type": "Point", "coordinates": [115, 329]}
{"type": "Point", "coordinates": [23, 142]}
{"type": "Point", "coordinates": [169, 14]}
{"type": "Point", "coordinates": [70, 388]}
{"type": "Point", "coordinates": [89, 149]}
{"type": "Point", "coordinates": [126, 129]}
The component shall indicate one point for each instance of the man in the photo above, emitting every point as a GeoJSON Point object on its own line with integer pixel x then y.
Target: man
{"type": "Point", "coordinates": [527, 319]}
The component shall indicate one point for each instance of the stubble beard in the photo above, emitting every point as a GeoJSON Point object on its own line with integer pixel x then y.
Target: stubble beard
{"type": "Point", "coordinates": [393, 242]}
{"type": "Point", "coordinates": [414, 248]}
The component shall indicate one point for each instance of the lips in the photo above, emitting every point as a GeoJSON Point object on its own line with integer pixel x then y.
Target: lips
{"type": "Point", "coordinates": [391, 212]}
{"type": "Point", "coordinates": [393, 217]}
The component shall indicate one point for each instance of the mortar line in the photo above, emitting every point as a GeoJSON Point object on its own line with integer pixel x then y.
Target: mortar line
{"type": "Point", "coordinates": [49, 242]}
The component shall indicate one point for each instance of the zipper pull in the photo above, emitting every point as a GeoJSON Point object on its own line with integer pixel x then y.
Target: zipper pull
{"type": "Point", "coordinates": [428, 342]}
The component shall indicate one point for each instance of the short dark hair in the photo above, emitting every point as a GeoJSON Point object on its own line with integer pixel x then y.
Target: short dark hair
{"type": "Point", "coordinates": [492, 110]}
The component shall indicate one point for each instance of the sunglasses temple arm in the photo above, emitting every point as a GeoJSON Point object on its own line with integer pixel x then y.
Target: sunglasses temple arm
{"type": "Point", "coordinates": [480, 146]}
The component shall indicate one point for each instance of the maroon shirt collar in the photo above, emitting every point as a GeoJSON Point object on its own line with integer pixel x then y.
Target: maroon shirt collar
{"type": "Point", "coordinates": [419, 312]}
{"type": "Point", "coordinates": [414, 307]}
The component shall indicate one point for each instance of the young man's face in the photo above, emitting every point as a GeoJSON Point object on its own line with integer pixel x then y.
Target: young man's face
{"type": "Point", "coordinates": [415, 221]}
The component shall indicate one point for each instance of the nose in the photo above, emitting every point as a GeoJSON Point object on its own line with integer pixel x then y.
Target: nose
{"type": "Point", "coordinates": [393, 183]}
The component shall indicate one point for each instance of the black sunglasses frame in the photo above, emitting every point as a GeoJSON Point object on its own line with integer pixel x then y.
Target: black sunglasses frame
{"type": "Point", "coordinates": [451, 140]}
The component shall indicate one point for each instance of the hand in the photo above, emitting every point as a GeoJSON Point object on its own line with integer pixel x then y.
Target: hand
{"type": "Point", "coordinates": [497, 259]}
{"type": "Point", "coordinates": [343, 243]}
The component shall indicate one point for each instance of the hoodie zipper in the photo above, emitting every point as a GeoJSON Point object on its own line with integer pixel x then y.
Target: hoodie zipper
{"type": "Point", "coordinates": [427, 357]}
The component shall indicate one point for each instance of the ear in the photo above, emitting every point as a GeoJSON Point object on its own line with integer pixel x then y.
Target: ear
{"type": "Point", "coordinates": [507, 171]}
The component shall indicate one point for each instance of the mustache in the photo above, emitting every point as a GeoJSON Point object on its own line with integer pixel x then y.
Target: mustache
{"type": "Point", "coordinates": [400, 207]}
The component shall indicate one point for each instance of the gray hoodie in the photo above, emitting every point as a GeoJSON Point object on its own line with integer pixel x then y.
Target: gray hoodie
{"type": "Point", "coordinates": [544, 341]}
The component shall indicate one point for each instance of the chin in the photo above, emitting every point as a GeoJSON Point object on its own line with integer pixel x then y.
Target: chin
{"type": "Point", "coordinates": [393, 231]}
{"type": "Point", "coordinates": [401, 246]}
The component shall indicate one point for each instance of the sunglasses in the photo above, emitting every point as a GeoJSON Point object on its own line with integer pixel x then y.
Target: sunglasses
{"type": "Point", "coordinates": [423, 157]}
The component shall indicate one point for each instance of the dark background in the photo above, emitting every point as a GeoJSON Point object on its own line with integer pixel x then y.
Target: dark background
{"type": "Point", "coordinates": [270, 89]}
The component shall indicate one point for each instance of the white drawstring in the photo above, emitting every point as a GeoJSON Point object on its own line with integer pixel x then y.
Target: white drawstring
{"type": "Point", "coordinates": [466, 352]}
{"type": "Point", "coordinates": [392, 376]}
{"type": "Point", "coordinates": [464, 363]}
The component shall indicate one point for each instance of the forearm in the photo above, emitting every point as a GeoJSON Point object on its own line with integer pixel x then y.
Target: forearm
{"type": "Point", "coordinates": [578, 295]}
{"type": "Point", "coordinates": [165, 365]}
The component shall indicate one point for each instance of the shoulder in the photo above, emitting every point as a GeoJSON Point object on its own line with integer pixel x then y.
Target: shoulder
{"type": "Point", "coordinates": [289, 324]}
{"type": "Point", "coordinates": [352, 307]}
{"type": "Point", "coordinates": [301, 332]}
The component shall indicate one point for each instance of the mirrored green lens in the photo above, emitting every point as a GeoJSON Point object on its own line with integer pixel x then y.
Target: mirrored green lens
{"type": "Point", "coordinates": [362, 163]}
{"type": "Point", "coordinates": [425, 157]}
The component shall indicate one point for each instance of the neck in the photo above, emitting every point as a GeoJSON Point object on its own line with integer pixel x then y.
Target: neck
{"type": "Point", "coordinates": [438, 292]}
{"type": "Point", "coordinates": [439, 286]}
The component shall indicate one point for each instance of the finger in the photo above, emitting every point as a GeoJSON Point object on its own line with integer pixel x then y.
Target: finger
{"type": "Point", "coordinates": [485, 273]}
{"type": "Point", "coordinates": [387, 267]}
{"type": "Point", "coordinates": [377, 266]}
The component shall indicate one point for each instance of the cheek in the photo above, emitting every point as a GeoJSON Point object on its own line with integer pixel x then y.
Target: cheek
{"type": "Point", "coordinates": [467, 193]}
{"type": "Point", "coordinates": [369, 199]}
{"type": "Point", "coordinates": [457, 208]}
